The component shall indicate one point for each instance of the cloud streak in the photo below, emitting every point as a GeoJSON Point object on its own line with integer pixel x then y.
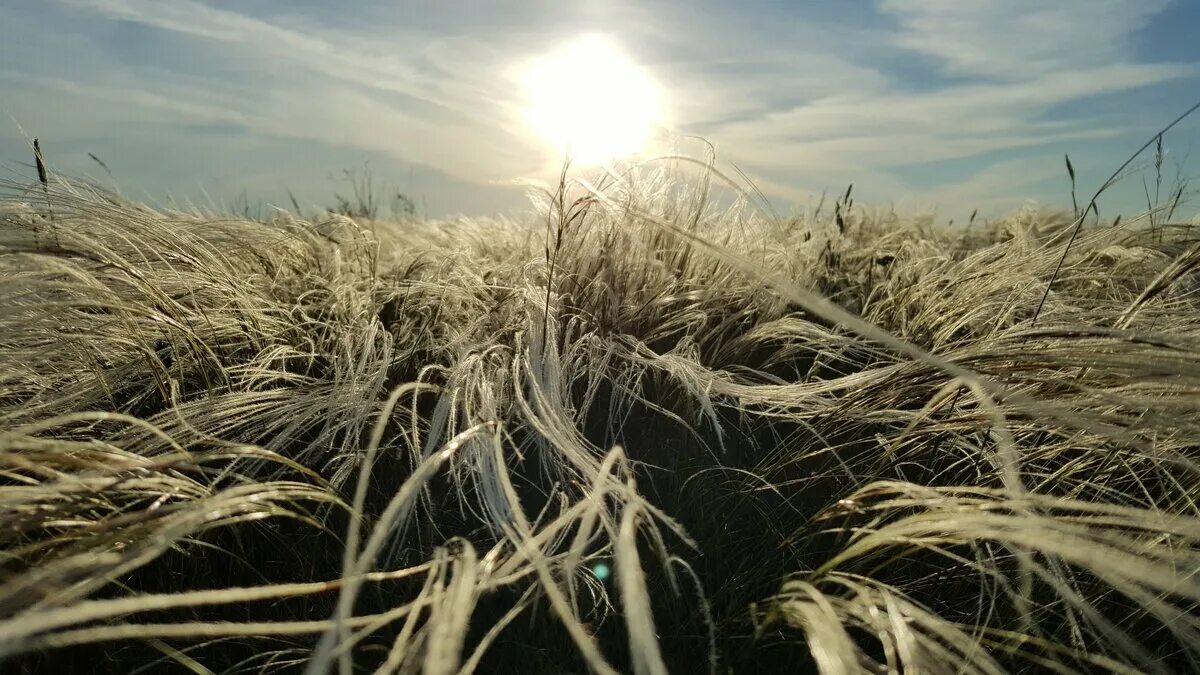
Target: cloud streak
{"type": "Point", "coordinates": [1020, 39]}
{"type": "Point", "coordinates": [1000, 71]}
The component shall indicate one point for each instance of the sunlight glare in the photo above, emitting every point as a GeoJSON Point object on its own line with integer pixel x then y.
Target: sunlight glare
{"type": "Point", "coordinates": [589, 99]}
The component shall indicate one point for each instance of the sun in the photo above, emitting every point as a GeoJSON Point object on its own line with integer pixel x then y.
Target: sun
{"type": "Point", "coordinates": [590, 100]}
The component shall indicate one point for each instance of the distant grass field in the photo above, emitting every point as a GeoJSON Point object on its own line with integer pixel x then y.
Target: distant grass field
{"type": "Point", "coordinates": [644, 434]}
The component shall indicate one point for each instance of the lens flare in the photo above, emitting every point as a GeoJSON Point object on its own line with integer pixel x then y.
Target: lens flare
{"type": "Point", "coordinates": [602, 571]}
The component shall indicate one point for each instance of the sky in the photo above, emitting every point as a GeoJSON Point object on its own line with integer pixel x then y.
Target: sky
{"type": "Point", "coordinates": [942, 105]}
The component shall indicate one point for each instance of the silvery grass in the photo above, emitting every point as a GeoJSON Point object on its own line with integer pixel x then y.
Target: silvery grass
{"type": "Point", "coordinates": [647, 434]}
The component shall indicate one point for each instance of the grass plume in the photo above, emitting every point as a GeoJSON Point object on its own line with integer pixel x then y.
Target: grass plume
{"type": "Point", "coordinates": [831, 443]}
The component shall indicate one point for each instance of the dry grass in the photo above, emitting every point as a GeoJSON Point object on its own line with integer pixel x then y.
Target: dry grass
{"type": "Point", "coordinates": [831, 443]}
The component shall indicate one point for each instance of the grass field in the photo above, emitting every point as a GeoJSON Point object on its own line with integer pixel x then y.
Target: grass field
{"type": "Point", "coordinates": [643, 434]}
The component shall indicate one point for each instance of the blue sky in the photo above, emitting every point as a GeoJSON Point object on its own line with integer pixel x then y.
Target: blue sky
{"type": "Point", "coordinates": [946, 104]}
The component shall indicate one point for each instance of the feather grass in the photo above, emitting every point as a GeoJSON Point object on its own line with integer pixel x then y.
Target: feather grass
{"type": "Point", "coordinates": [644, 434]}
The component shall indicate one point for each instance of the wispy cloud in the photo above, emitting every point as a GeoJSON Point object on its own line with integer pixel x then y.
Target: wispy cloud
{"type": "Point", "coordinates": [1020, 39]}
{"type": "Point", "coordinates": [892, 128]}
{"type": "Point", "coordinates": [1004, 67]}
{"type": "Point", "coordinates": [438, 100]}
{"type": "Point", "coordinates": [128, 100]}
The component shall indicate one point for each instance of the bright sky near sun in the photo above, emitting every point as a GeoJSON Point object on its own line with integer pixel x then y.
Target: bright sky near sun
{"type": "Point", "coordinates": [953, 104]}
{"type": "Point", "coordinates": [591, 102]}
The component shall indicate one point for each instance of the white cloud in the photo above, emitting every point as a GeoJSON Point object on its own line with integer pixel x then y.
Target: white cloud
{"type": "Point", "coordinates": [1025, 59]}
{"type": "Point", "coordinates": [432, 100]}
{"type": "Point", "coordinates": [893, 128]}
{"type": "Point", "coordinates": [109, 103]}
{"type": "Point", "coordinates": [396, 64]}
{"type": "Point", "coordinates": [1020, 39]}
{"type": "Point", "coordinates": [997, 189]}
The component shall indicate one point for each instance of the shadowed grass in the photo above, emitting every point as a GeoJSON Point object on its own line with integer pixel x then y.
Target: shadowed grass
{"type": "Point", "coordinates": [837, 444]}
